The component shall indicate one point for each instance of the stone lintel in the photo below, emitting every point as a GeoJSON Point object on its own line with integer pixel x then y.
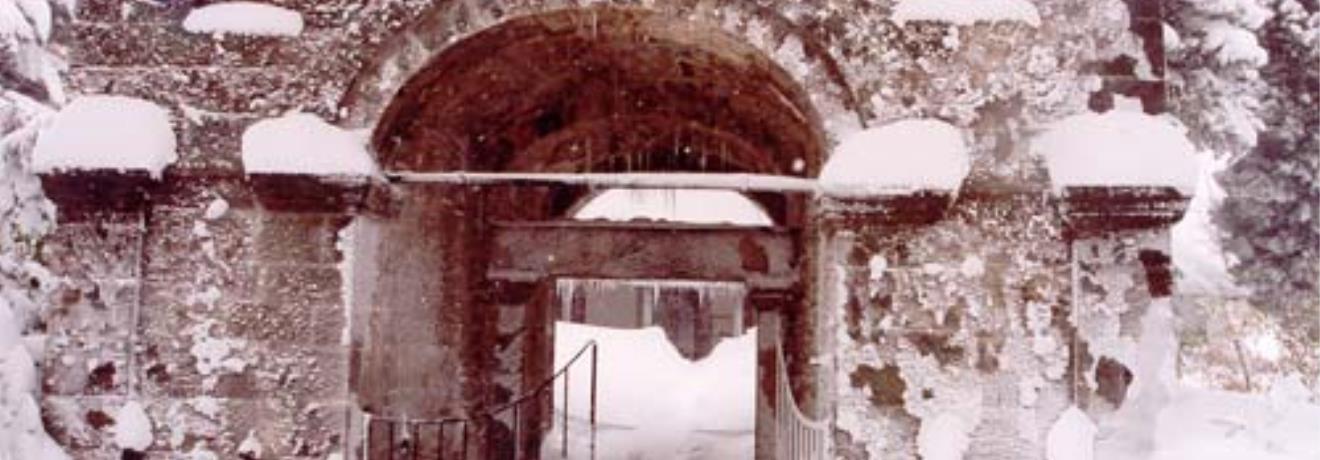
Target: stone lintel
{"type": "Point", "coordinates": [86, 194]}
{"type": "Point", "coordinates": [918, 208]}
{"type": "Point", "coordinates": [308, 193]}
{"type": "Point", "coordinates": [763, 258]}
{"type": "Point", "coordinates": [1093, 211]}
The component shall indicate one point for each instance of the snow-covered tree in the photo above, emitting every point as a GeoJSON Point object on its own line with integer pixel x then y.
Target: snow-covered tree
{"type": "Point", "coordinates": [1214, 62]}
{"type": "Point", "coordinates": [1271, 215]}
{"type": "Point", "coordinates": [29, 91]}
{"type": "Point", "coordinates": [1244, 78]}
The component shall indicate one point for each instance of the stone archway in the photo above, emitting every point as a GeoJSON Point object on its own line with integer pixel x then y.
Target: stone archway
{"type": "Point", "coordinates": [747, 28]}
{"type": "Point", "coordinates": [443, 332]}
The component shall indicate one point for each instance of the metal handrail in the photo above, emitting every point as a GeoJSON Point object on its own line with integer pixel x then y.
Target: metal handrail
{"type": "Point", "coordinates": [797, 436]}
{"type": "Point", "coordinates": [415, 425]}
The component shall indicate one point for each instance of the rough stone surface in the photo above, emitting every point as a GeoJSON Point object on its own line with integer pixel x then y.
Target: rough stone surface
{"type": "Point", "coordinates": [305, 302]}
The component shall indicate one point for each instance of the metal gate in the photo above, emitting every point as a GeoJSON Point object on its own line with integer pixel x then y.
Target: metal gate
{"type": "Point", "coordinates": [460, 438]}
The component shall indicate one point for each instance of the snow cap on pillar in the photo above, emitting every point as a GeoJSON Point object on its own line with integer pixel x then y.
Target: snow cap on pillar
{"type": "Point", "coordinates": [899, 158]}
{"type": "Point", "coordinates": [1118, 149]}
{"type": "Point", "coordinates": [303, 144]}
{"type": "Point", "coordinates": [99, 133]}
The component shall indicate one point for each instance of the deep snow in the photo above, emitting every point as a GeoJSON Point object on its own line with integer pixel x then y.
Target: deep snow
{"type": "Point", "coordinates": [653, 403]}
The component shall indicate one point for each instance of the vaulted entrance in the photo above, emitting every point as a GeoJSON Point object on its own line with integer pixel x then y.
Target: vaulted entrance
{"type": "Point", "coordinates": [491, 148]}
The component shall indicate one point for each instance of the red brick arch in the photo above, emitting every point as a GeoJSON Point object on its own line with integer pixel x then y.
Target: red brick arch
{"type": "Point", "coordinates": [734, 82]}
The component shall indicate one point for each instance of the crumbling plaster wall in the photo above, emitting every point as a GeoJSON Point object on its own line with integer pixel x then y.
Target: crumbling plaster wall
{"type": "Point", "coordinates": [223, 319]}
{"type": "Point", "coordinates": [954, 325]}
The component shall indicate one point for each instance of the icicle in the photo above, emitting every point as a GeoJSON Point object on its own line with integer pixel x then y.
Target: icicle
{"type": "Point", "coordinates": [566, 288]}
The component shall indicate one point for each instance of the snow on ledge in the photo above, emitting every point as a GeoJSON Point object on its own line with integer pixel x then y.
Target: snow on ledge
{"type": "Point", "coordinates": [901, 157]}
{"type": "Point", "coordinates": [1118, 148]}
{"type": "Point", "coordinates": [107, 132]}
{"type": "Point", "coordinates": [300, 143]}
{"type": "Point", "coordinates": [966, 12]}
{"type": "Point", "coordinates": [244, 18]}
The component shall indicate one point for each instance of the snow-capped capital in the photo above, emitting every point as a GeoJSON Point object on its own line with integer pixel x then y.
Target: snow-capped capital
{"type": "Point", "coordinates": [303, 144]}
{"type": "Point", "coordinates": [899, 158]}
{"type": "Point", "coordinates": [107, 133]}
{"type": "Point", "coordinates": [1118, 149]}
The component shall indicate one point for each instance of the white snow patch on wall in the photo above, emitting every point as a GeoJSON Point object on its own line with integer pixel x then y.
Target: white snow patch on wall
{"type": "Point", "coordinates": [1118, 148]}
{"type": "Point", "coordinates": [943, 437]}
{"type": "Point", "coordinates": [133, 427]}
{"type": "Point", "coordinates": [300, 143]}
{"type": "Point", "coordinates": [900, 157]}
{"type": "Point", "coordinates": [215, 355]}
{"type": "Point", "coordinates": [674, 205]}
{"type": "Point", "coordinates": [107, 132]}
{"type": "Point", "coordinates": [216, 209]}
{"type": "Point", "coordinates": [966, 12]}
{"type": "Point", "coordinates": [244, 18]}
{"type": "Point", "coordinates": [1072, 437]}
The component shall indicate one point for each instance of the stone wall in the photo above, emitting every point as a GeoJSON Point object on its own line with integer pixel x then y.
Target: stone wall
{"type": "Point", "coordinates": [223, 319]}
{"type": "Point", "coordinates": [237, 323]}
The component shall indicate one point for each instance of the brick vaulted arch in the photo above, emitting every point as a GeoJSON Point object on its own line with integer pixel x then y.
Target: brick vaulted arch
{"type": "Point", "coordinates": [627, 60]}
{"type": "Point", "coordinates": [599, 89]}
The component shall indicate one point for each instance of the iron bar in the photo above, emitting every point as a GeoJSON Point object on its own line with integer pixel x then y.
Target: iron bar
{"type": "Point", "coordinates": [701, 181]}
{"type": "Point", "coordinates": [440, 442]}
{"type": "Point", "coordinates": [517, 432]}
{"type": "Point", "coordinates": [491, 415]}
{"type": "Point", "coordinates": [464, 423]}
{"type": "Point", "coordinates": [563, 431]}
{"type": "Point", "coordinates": [594, 357]}
{"type": "Point", "coordinates": [389, 446]}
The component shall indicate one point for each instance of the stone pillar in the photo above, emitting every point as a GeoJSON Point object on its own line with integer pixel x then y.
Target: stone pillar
{"type": "Point", "coordinates": [769, 306]}
{"type": "Point", "coordinates": [1119, 247]}
{"type": "Point", "coordinates": [95, 255]}
{"type": "Point", "coordinates": [414, 298]}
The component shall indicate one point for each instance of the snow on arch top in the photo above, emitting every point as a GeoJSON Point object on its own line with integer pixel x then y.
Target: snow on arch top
{"type": "Point", "coordinates": [244, 18]}
{"type": "Point", "coordinates": [107, 132]}
{"type": "Point", "coordinates": [1118, 148]}
{"type": "Point", "coordinates": [900, 157]}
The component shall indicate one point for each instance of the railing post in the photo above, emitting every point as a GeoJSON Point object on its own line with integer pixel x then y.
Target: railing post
{"type": "Point", "coordinates": [416, 440]}
{"type": "Point", "coordinates": [564, 430]}
{"type": "Point", "coordinates": [517, 431]}
{"type": "Point", "coordinates": [366, 436]}
{"type": "Point", "coordinates": [464, 443]}
{"type": "Point", "coordinates": [440, 442]}
{"type": "Point", "coordinates": [389, 446]}
{"type": "Point", "coordinates": [594, 348]}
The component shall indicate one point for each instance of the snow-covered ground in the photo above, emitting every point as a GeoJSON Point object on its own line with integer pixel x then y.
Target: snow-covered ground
{"type": "Point", "coordinates": [654, 404]}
